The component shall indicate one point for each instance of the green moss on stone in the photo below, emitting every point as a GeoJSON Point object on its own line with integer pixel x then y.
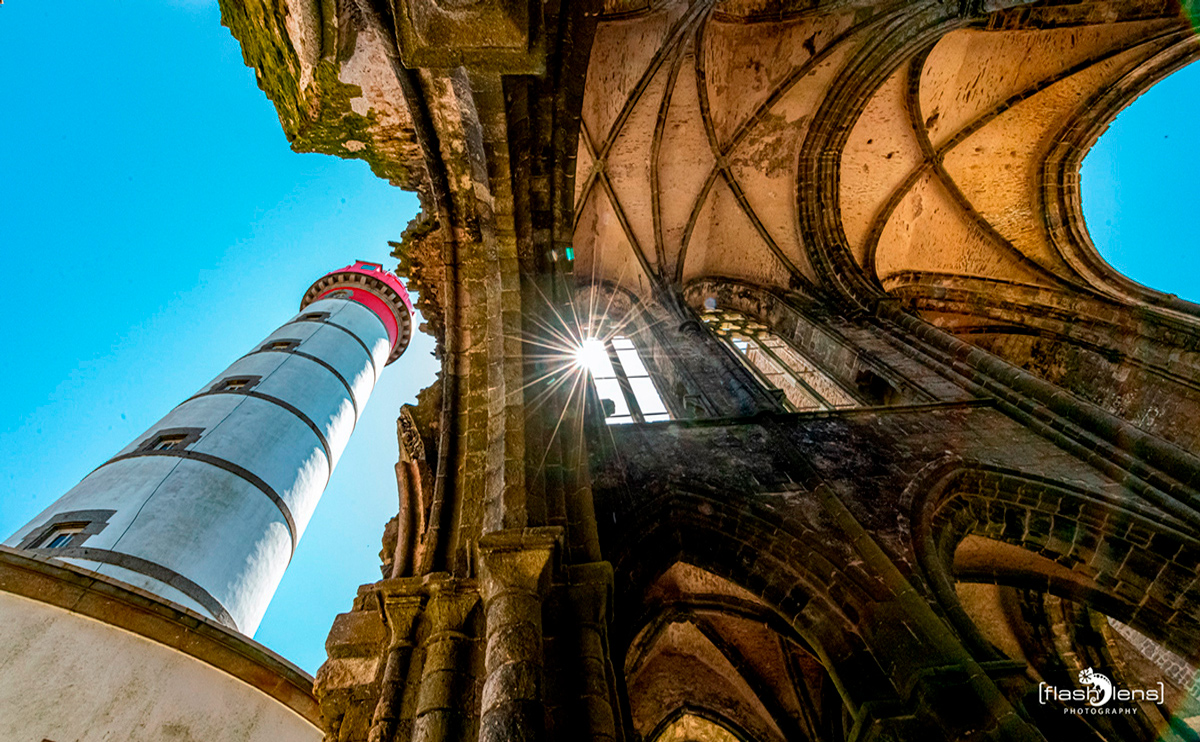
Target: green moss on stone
{"type": "Point", "coordinates": [320, 118]}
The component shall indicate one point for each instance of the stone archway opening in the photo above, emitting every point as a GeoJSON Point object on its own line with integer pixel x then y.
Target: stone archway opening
{"type": "Point", "coordinates": [693, 726]}
{"type": "Point", "coordinates": [707, 664]}
{"type": "Point", "coordinates": [1039, 615]}
{"type": "Point", "coordinates": [1131, 180]}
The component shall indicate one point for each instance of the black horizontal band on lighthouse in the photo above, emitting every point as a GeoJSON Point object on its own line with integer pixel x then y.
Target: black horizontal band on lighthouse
{"type": "Point", "coordinates": [202, 530]}
{"type": "Point", "coordinates": [282, 404]}
{"type": "Point", "coordinates": [224, 465]}
{"type": "Point", "coordinates": [319, 361]}
{"type": "Point", "coordinates": [357, 339]}
{"type": "Point", "coordinates": [151, 570]}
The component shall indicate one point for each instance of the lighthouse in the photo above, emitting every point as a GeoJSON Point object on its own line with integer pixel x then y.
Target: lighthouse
{"type": "Point", "coordinates": [206, 507]}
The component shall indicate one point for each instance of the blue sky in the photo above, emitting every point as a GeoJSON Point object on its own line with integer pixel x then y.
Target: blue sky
{"type": "Point", "coordinates": [1140, 188]}
{"type": "Point", "coordinates": [154, 225]}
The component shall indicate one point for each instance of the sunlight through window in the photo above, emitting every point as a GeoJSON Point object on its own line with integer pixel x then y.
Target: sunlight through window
{"type": "Point", "coordinates": [622, 381]}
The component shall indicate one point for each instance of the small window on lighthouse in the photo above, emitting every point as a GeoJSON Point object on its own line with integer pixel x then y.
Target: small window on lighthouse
{"type": "Point", "coordinates": [236, 384]}
{"type": "Point", "coordinates": [171, 439]}
{"type": "Point", "coordinates": [168, 442]}
{"type": "Point", "coordinates": [61, 535]}
{"type": "Point", "coordinates": [281, 345]}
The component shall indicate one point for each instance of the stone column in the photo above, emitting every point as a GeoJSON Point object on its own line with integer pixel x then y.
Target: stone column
{"type": "Point", "coordinates": [513, 579]}
{"type": "Point", "coordinates": [402, 609]}
{"type": "Point", "coordinates": [440, 703]}
{"type": "Point", "coordinates": [590, 708]}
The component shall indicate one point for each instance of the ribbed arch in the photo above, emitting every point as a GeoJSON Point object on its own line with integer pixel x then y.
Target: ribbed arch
{"type": "Point", "coordinates": [977, 522]}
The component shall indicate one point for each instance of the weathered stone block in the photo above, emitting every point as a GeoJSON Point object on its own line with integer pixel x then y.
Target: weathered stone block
{"type": "Point", "coordinates": [356, 634]}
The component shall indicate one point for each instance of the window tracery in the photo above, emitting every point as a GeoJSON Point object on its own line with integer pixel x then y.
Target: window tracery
{"type": "Point", "coordinates": [778, 365]}
{"type": "Point", "coordinates": [622, 381]}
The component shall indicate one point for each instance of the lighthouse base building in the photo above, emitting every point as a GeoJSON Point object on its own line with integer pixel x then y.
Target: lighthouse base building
{"type": "Point", "coordinates": [88, 658]}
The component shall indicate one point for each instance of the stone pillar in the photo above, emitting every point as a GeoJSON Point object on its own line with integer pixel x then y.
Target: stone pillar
{"type": "Point", "coordinates": [347, 685]}
{"type": "Point", "coordinates": [402, 608]}
{"type": "Point", "coordinates": [590, 712]}
{"type": "Point", "coordinates": [441, 706]}
{"type": "Point", "coordinates": [513, 579]}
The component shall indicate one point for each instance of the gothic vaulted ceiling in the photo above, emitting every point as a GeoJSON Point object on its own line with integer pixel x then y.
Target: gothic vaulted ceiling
{"type": "Point", "coordinates": [876, 146]}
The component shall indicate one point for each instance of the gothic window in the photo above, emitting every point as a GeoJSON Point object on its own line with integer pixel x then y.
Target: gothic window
{"type": "Point", "coordinates": [778, 365]}
{"type": "Point", "coordinates": [622, 382]}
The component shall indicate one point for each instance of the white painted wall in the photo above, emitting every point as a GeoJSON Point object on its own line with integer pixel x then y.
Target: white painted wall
{"type": "Point", "coordinates": [69, 678]}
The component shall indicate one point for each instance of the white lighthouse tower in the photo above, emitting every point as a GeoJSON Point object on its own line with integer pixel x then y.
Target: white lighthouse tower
{"type": "Point", "coordinates": [205, 508]}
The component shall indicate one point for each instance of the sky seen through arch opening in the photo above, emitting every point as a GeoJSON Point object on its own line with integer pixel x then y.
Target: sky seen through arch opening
{"type": "Point", "coordinates": [1140, 184]}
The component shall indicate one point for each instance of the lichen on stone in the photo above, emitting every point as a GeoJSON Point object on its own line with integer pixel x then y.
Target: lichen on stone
{"type": "Point", "coordinates": [318, 110]}
{"type": "Point", "coordinates": [420, 254]}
